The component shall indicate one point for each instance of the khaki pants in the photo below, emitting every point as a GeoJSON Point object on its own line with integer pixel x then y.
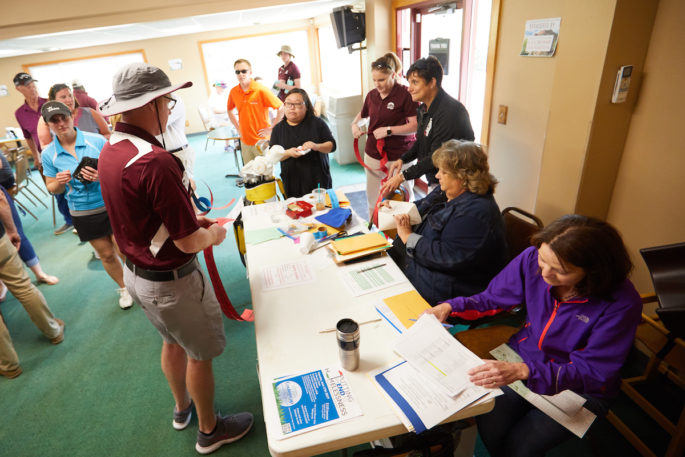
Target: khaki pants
{"type": "Point", "coordinates": [13, 274]}
{"type": "Point", "coordinates": [248, 152]}
{"type": "Point", "coordinates": [373, 181]}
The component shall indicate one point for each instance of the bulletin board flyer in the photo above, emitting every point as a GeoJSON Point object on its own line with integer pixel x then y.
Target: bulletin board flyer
{"type": "Point", "coordinates": [313, 400]}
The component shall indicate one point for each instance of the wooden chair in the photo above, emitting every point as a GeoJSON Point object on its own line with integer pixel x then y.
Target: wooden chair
{"type": "Point", "coordinates": [661, 338]}
{"type": "Point", "coordinates": [666, 356]}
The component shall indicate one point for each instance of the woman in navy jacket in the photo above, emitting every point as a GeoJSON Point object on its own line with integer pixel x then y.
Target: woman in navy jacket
{"type": "Point", "coordinates": [460, 244]}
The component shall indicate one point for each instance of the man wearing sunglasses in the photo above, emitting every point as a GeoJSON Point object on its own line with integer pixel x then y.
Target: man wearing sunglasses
{"type": "Point", "coordinates": [252, 100]}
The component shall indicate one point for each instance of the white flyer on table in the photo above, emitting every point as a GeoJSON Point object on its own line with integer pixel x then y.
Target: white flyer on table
{"type": "Point", "coordinates": [312, 400]}
{"type": "Point", "coordinates": [287, 275]}
{"type": "Point", "coordinates": [433, 351]}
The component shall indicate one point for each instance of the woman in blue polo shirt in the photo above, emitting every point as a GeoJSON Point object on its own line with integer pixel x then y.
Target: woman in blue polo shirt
{"type": "Point", "coordinates": [60, 159]}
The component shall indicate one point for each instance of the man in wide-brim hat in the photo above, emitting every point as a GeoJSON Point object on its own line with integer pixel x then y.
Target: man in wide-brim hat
{"type": "Point", "coordinates": [156, 228]}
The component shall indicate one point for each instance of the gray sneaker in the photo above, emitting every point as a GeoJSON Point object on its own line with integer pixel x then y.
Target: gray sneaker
{"type": "Point", "coordinates": [228, 429]}
{"type": "Point", "coordinates": [182, 418]}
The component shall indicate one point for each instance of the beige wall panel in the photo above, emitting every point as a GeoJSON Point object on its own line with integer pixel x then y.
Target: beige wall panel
{"type": "Point", "coordinates": [583, 40]}
{"type": "Point", "coordinates": [648, 204]}
{"type": "Point", "coordinates": [630, 34]}
{"type": "Point", "coordinates": [524, 84]}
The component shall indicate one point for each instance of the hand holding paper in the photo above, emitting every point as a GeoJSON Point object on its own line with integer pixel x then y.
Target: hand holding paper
{"type": "Point", "coordinates": [386, 213]}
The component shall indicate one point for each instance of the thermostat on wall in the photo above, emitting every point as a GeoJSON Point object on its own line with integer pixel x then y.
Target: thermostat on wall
{"type": "Point", "coordinates": [622, 84]}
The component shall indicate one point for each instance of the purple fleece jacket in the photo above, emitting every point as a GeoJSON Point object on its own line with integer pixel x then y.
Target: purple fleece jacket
{"type": "Point", "coordinates": [579, 344]}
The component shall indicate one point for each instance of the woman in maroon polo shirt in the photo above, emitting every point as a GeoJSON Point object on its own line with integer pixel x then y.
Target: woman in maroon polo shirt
{"type": "Point", "coordinates": [392, 117]}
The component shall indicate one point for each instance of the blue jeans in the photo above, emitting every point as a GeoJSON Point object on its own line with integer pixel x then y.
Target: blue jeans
{"type": "Point", "coordinates": [26, 251]}
{"type": "Point", "coordinates": [63, 207]}
{"type": "Point", "coordinates": [515, 428]}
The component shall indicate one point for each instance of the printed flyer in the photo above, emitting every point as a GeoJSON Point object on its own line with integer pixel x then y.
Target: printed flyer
{"type": "Point", "coordinates": [313, 400]}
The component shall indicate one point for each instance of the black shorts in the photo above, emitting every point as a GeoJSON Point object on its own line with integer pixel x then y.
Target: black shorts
{"type": "Point", "coordinates": [92, 226]}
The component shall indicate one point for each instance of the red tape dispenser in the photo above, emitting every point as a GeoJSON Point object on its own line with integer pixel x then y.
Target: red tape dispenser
{"type": "Point", "coordinates": [299, 209]}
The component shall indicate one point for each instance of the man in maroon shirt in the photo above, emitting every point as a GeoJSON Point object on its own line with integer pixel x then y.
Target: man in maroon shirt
{"type": "Point", "coordinates": [146, 193]}
{"type": "Point", "coordinates": [27, 116]}
{"type": "Point", "coordinates": [82, 96]}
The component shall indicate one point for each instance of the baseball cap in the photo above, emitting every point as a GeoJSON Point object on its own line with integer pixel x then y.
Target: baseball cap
{"type": "Point", "coordinates": [22, 79]}
{"type": "Point", "coordinates": [53, 108]}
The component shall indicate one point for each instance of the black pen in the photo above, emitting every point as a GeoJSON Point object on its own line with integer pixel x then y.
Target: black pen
{"type": "Point", "coordinates": [371, 268]}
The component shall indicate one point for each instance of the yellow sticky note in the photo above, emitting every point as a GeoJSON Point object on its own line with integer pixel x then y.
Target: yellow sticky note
{"type": "Point", "coordinates": [406, 306]}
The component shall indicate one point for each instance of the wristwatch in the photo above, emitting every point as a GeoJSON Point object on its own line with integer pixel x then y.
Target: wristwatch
{"type": "Point", "coordinates": [388, 132]}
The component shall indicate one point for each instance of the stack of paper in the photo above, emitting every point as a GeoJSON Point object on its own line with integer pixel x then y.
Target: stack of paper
{"type": "Point", "coordinates": [432, 384]}
{"type": "Point", "coordinates": [353, 247]}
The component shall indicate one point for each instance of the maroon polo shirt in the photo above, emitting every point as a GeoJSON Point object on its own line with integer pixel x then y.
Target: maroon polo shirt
{"type": "Point", "coordinates": [388, 112]}
{"type": "Point", "coordinates": [28, 121]}
{"type": "Point", "coordinates": [141, 195]}
{"type": "Point", "coordinates": [287, 73]}
{"type": "Point", "coordinates": [84, 99]}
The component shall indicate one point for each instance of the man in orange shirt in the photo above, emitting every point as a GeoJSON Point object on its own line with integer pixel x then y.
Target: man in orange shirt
{"type": "Point", "coordinates": [252, 101]}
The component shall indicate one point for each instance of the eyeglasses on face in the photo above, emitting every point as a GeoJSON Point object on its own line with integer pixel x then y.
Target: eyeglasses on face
{"type": "Point", "coordinates": [237, 72]}
{"type": "Point", "coordinates": [293, 105]}
{"type": "Point", "coordinates": [172, 101]}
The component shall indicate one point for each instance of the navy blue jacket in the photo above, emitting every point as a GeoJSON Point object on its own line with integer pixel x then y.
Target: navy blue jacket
{"type": "Point", "coordinates": [458, 248]}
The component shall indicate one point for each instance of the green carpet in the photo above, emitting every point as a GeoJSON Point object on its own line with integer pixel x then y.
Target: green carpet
{"type": "Point", "coordinates": [102, 392]}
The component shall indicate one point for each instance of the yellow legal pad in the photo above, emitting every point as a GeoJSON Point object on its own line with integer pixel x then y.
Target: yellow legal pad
{"type": "Point", "coordinates": [406, 306]}
{"type": "Point", "coordinates": [359, 243]}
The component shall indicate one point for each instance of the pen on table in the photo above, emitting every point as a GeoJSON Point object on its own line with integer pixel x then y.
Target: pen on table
{"type": "Point", "coordinates": [286, 234]}
{"type": "Point", "coordinates": [444, 325]}
{"type": "Point", "coordinates": [328, 330]}
{"type": "Point", "coordinates": [371, 268]}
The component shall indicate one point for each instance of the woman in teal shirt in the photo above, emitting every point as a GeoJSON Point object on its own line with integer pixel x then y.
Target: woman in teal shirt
{"type": "Point", "coordinates": [86, 206]}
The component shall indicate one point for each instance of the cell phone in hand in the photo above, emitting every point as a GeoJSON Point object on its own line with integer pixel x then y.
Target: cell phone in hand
{"type": "Point", "coordinates": [85, 162]}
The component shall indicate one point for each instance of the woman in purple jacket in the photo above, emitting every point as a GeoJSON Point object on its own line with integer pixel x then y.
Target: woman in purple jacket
{"type": "Point", "coordinates": [582, 313]}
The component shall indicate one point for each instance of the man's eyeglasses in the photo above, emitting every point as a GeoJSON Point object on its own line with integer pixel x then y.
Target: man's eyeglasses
{"type": "Point", "coordinates": [293, 105]}
{"type": "Point", "coordinates": [172, 101]}
{"type": "Point", "coordinates": [237, 72]}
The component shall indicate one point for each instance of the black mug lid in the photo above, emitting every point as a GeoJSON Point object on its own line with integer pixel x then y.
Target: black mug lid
{"type": "Point", "coordinates": [347, 326]}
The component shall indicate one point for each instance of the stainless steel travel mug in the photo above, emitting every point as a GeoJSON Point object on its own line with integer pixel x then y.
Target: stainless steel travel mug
{"type": "Point", "coordinates": [347, 332]}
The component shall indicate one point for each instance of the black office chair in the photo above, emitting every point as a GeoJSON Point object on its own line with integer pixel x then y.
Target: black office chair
{"type": "Point", "coordinates": [666, 265]}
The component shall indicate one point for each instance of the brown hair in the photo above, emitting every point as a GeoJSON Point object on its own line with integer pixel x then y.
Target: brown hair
{"type": "Point", "coordinates": [467, 162]}
{"type": "Point", "coordinates": [52, 93]}
{"type": "Point", "coordinates": [590, 244]}
{"type": "Point", "coordinates": [242, 61]}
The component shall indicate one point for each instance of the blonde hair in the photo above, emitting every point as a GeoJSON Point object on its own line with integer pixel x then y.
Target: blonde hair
{"type": "Point", "coordinates": [467, 162]}
{"type": "Point", "coordinates": [388, 64]}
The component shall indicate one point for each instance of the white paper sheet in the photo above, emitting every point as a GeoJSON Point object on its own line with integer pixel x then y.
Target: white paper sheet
{"type": "Point", "coordinates": [367, 277]}
{"type": "Point", "coordinates": [287, 275]}
{"type": "Point", "coordinates": [429, 348]}
{"type": "Point", "coordinates": [419, 401]}
{"type": "Point", "coordinates": [386, 221]}
{"type": "Point", "coordinates": [564, 407]}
